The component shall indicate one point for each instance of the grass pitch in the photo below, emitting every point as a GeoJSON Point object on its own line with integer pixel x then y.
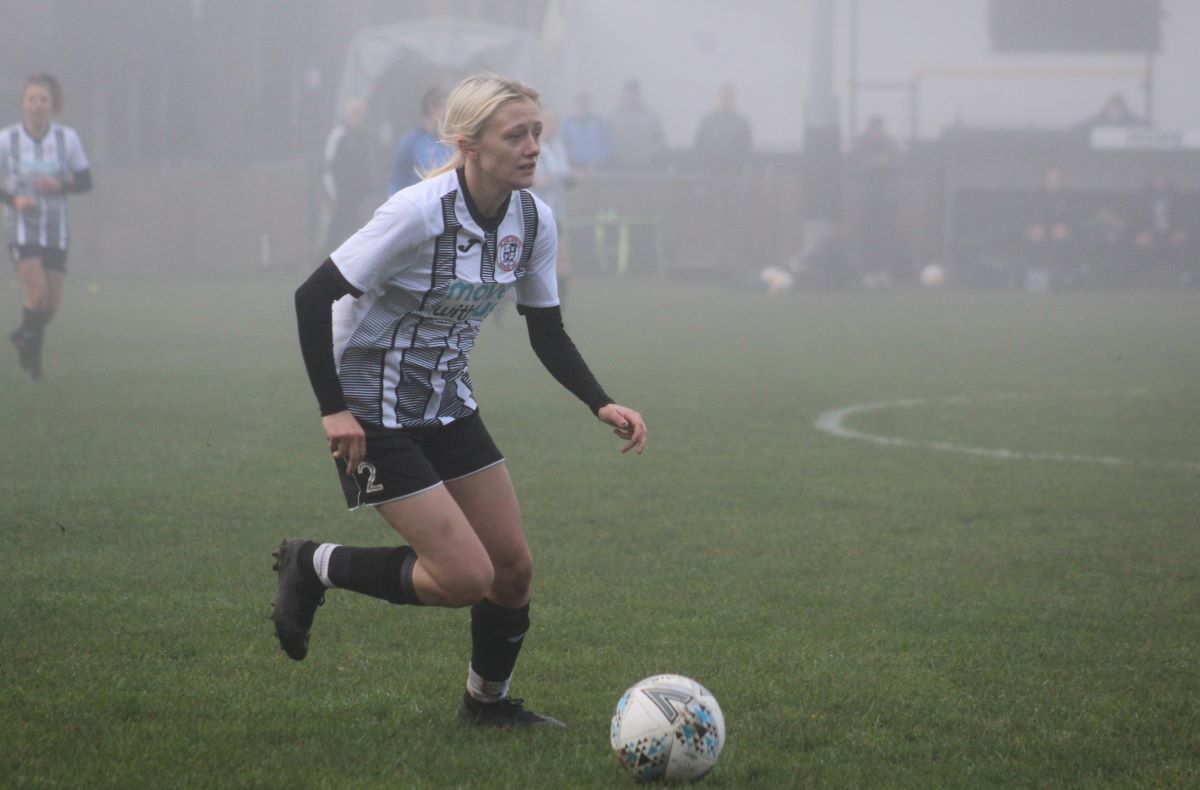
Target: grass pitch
{"type": "Point", "coordinates": [868, 614]}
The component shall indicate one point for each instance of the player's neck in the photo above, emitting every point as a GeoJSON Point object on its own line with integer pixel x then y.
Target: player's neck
{"type": "Point", "coordinates": [36, 131]}
{"type": "Point", "coordinates": [487, 195]}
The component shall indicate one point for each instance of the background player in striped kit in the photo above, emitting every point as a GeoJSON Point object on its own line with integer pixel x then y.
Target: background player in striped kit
{"type": "Point", "coordinates": [40, 162]}
{"type": "Point", "coordinates": [409, 291]}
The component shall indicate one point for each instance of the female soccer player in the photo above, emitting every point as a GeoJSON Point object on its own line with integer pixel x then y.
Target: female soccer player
{"type": "Point", "coordinates": [40, 162]}
{"type": "Point", "coordinates": [409, 292]}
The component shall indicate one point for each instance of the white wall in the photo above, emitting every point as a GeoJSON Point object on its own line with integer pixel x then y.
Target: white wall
{"type": "Point", "coordinates": [898, 40]}
{"type": "Point", "coordinates": [682, 49]}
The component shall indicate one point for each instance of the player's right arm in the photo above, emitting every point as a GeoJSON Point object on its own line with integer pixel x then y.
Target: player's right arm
{"type": "Point", "coordinates": [364, 261]}
{"type": "Point", "coordinates": [347, 439]}
{"type": "Point", "coordinates": [314, 298]}
{"type": "Point", "coordinates": [20, 202]}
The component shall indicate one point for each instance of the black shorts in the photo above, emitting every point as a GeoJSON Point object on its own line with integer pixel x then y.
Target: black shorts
{"type": "Point", "coordinates": [53, 259]}
{"type": "Point", "coordinates": [407, 461]}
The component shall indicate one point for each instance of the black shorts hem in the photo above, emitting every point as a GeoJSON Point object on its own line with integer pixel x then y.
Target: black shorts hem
{"type": "Point", "coordinates": [53, 259]}
{"type": "Point", "coordinates": [409, 495]}
{"type": "Point", "coordinates": [483, 468]}
{"type": "Point", "coordinates": [401, 463]}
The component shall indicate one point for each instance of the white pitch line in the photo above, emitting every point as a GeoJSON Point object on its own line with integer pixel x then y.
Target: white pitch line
{"type": "Point", "coordinates": [833, 423]}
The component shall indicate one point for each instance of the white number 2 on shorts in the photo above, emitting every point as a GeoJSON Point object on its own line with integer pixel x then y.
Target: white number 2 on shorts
{"type": "Point", "coordinates": [369, 468]}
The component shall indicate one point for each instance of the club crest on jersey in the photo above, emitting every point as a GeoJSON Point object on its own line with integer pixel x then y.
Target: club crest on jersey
{"type": "Point", "coordinates": [509, 252]}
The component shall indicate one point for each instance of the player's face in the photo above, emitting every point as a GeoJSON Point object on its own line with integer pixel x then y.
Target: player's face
{"type": "Point", "coordinates": [36, 106]}
{"type": "Point", "coordinates": [509, 146]}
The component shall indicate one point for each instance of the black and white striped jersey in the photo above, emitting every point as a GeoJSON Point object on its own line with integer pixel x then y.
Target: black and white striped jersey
{"type": "Point", "coordinates": [431, 269]}
{"type": "Point", "coordinates": [22, 160]}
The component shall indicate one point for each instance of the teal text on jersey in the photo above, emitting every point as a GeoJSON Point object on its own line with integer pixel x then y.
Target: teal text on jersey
{"type": "Point", "coordinates": [471, 301]}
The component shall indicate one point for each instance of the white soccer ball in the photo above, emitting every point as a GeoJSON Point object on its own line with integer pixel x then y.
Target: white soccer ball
{"type": "Point", "coordinates": [667, 727]}
{"type": "Point", "coordinates": [776, 279]}
{"type": "Point", "coordinates": [932, 276]}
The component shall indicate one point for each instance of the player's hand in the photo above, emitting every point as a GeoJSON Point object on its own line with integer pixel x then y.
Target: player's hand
{"type": "Point", "coordinates": [24, 203]}
{"type": "Point", "coordinates": [627, 424]}
{"type": "Point", "coordinates": [48, 185]}
{"type": "Point", "coordinates": [347, 440]}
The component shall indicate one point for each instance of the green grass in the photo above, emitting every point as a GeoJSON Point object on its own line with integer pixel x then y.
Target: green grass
{"type": "Point", "coordinates": [866, 615]}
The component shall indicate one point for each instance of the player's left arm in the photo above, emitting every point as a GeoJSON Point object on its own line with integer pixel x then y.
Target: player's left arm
{"type": "Point", "coordinates": [79, 182]}
{"type": "Point", "coordinates": [537, 300]}
{"type": "Point", "coordinates": [79, 177]}
{"type": "Point", "coordinates": [556, 351]}
{"type": "Point", "coordinates": [77, 174]}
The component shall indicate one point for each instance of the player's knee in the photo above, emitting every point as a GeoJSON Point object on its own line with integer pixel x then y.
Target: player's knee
{"type": "Point", "coordinates": [514, 576]}
{"type": "Point", "coordinates": [470, 586]}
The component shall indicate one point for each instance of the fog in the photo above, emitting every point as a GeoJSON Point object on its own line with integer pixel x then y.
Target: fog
{"type": "Point", "coordinates": [913, 328]}
{"type": "Point", "coordinates": [686, 47]}
{"type": "Point", "coordinates": [228, 107]}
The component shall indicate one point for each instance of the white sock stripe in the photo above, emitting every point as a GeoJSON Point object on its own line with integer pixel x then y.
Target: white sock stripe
{"type": "Point", "coordinates": [486, 690]}
{"type": "Point", "coordinates": [321, 561]}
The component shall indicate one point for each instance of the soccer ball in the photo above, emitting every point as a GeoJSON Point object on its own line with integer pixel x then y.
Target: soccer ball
{"type": "Point", "coordinates": [932, 276]}
{"type": "Point", "coordinates": [776, 279]}
{"type": "Point", "coordinates": [667, 727]}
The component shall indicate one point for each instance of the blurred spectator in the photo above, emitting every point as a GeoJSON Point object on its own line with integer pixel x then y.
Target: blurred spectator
{"type": "Point", "coordinates": [636, 132]}
{"type": "Point", "coordinates": [347, 177]}
{"type": "Point", "coordinates": [554, 173]}
{"type": "Point", "coordinates": [586, 136]}
{"type": "Point", "coordinates": [723, 139]}
{"type": "Point", "coordinates": [1162, 238]}
{"type": "Point", "coordinates": [1115, 112]}
{"type": "Point", "coordinates": [875, 147]}
{"type": "Point", "coordinates": [1106, 237]}
{"type": "Point", "coordinates": [1050, 235]}
{"type": "Point", "coordinates": [420, 151]}
{"type": "Point", "coordinates": [555, 176]}
{"type": "Point", "coordinates": [722, 151]}
{"type": "Point", "coordinates": [876, 160]}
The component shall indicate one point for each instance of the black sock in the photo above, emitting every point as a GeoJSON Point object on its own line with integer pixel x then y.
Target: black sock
{"type": "Point", "coordinates": [34, 320]}
{"type": "Point", "coordinates": [33, 325]}
{"type": "Point", "coordinates": [304, 558]}
{"type": "Point", "coordinates": [497, 633]}
{"type": "Point", "coordinates": [379, 572]}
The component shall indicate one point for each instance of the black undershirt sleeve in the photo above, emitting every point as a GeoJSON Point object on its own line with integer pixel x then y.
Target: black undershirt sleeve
{"type": "Point", "coordinates": [313, 302]}
{"type": "Point", "coordinates": [81, 181]}
{"type": "Point", "coordinates": [560, 357]}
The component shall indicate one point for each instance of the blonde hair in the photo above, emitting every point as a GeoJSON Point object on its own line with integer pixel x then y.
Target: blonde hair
{"type": "Point", "coordinates": [470, 106]}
